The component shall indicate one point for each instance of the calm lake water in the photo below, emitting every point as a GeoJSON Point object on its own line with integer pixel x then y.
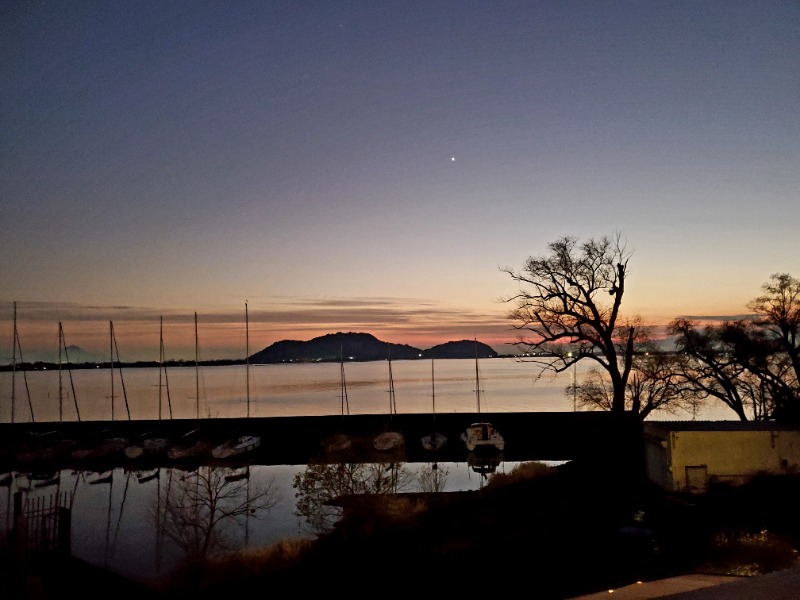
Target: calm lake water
{"type": "Point", "coordinates": [136, 526]}
{"type": "Point", "coordinates": [507, 385]}
{"type": "Point", "coordinates": [129, 523]}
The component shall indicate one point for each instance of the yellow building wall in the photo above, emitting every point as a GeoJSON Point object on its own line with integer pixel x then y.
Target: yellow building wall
{"type": "Point", "coordinates": [732, 455]}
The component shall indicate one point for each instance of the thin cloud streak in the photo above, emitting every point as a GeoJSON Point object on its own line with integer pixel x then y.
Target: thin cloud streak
{"type": "Point", "coordinates": [415, 322]}
{"type": "Point", "coordinates": [719, 318]}
{"type": "Point", "coordinates": [418, 322]}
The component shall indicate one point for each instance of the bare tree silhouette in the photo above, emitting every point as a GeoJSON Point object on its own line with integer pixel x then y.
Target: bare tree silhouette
{"type": "Point", "coordinates": [320, 484]}
{"type": "Point", "coordinates": [201, 502]}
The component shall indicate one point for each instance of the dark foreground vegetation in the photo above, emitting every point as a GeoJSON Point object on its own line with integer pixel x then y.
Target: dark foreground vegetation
{"type": "Point", "coordinates": [551, 532]}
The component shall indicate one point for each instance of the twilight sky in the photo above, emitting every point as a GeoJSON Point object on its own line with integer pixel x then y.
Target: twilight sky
{"type": "Point", "coordinates": [370, 166]}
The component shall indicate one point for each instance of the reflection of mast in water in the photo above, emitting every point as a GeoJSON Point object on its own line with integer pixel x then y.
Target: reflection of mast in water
{"type": "Point", "coordinates": [7, 529]}
{"type": "Point", "coordinates": [247, 511]}
{"type": "Point", "coordinates": [108, 477]}
{"type": "Point", "coordinates": [392, 468]}
{"type": "Point", "coordinates": [108, 519]}
{"type": "Point", "coordinates": [121, 508]}
{"type": "Point", "coordinates": [160, 517]}
{"type": "Point", "coordinates": [238, 475]}
{"type": "Point", "coordinates": [433, 477]}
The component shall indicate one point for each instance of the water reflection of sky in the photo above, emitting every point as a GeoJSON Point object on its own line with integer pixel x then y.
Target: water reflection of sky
{"type": "Point", "coordinates": [119, 524]}
{"type": "Point", "coordinates": [507, 385]}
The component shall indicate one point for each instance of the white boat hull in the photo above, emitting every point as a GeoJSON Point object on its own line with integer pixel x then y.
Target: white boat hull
{"type": "Point", "coordinates": [484, 435]}
{"type": "Point", "coordinates": [388, 440]}
{"type": "Point", "coordinates": [338, 442]}
{"type": "Point", "coordinates": [183, 452]}
{"type": "Point", "coordinates": [241, 445]}
{"type": "Point", "coordinates": [148, 447]}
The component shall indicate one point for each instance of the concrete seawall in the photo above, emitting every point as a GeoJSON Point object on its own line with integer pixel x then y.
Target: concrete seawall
{"type": "Point", "coordinates": [297, 440]}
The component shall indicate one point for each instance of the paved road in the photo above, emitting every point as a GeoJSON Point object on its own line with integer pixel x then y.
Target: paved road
{"type": "Point", "coordinates": [781, 585]}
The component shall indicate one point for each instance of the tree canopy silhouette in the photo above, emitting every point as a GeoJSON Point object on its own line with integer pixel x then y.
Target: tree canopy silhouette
{"type": "Point", "coordinates": [568, 302]}
{"type": "Point", "coordinates": [752, 364]}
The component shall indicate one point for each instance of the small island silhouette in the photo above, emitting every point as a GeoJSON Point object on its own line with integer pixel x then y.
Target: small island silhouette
{"type": "Point", "coordinates": [363, 347]}
{"type": "Point", "coordinates": [332, 347]}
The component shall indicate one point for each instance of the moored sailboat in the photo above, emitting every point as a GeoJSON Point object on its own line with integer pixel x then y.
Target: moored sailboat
{"type": "Point", "coordinates": [108, 445]}
{"type": "Point", "coordinates": [481, 434]}
{"type": "Point", "coordinates": [16, 346]}
{"type": "Point", "coordinates": [149, 475]}
{"type": "Point", "coordinates": [339, 441]}
{"type": "Point", "coordinates": [152, 445]}
{"type": "Point", "coordinates": [435, 440]}
{"type": "Point", "coordinates": [238, 474]}
{"type": "Point", "coordinates": [101, 477]}
{"type": "Point", "coordinates": [245, 443]}
{"type": "Point", "coordinates": [390, 439]}
{"type": "Point", "coordinates": [148, 447]}
{"type": "Point", "coordinates": [51, 445]}
{"type": "Point", "coordinates": [192, 445]}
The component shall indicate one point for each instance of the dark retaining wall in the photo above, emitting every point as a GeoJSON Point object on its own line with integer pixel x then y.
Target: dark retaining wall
{"type": "Point", "coordinates": [614, 439]}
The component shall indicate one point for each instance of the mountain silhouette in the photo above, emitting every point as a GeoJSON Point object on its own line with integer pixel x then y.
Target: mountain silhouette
{"type": "Point", "coordinates": [460, 349]}
{"type": "Point", "coordinates": [361, 347]}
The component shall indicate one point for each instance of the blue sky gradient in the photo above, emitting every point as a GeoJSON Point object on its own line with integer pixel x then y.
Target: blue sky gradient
{"type": "Point", "coordinates": [359, 166]}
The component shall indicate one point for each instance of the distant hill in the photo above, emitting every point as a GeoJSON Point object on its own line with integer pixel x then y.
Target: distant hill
{"type": "Point", "coordinates": [460, 349]}
{"type": "Point", "coordinates": [77, 354]}
{"type": "Point", "coordinates": [331, 347]}
{"type": "Point", "coordinates": [72, 354]}
{"type": "Point", "coordinates": [360, 347]}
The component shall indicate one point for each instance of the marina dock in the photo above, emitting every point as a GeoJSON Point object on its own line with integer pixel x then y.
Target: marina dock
{"type": "Point", "coordinates": [297, 440]}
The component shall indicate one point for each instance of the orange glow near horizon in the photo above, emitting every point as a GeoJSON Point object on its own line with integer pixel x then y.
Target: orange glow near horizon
{"type": "Point", "coordinates": [222, 333]}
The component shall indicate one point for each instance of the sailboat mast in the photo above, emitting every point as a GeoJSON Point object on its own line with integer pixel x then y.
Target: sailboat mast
{"type": "Point", "coordinates": [345, 403]}
{"type": "Point", "coordinates": [14, 363]}
{"type": "Point", "coordinates": [63, 344]}
{"type": "Point", "coordinates": [162, 365]}
{"type": "Point", "coordinates": [60, 386]}
{"type": "Point", "coordinates": [160, 360]}
{"type": "Point", "coordinates": [247, 356]}
{"type": "Point", "coordinates": [18, 346]}
{"type": "Point", "coordinates": [477, 379]}
{"type": "Point", "coordinates": [111, 353]}
{"type": "Point", "coordinates": [433, 390]}
{"type": "Point", "coordinates": [392, 401]}
{"type": "Point", "coordinates": [115, 348]}
{"type": "Point", "coordinates": [196, 373]}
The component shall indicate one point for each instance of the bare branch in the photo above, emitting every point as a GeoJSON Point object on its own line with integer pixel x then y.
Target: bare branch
{"type": "Point", "coordinates": [568, 302]}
